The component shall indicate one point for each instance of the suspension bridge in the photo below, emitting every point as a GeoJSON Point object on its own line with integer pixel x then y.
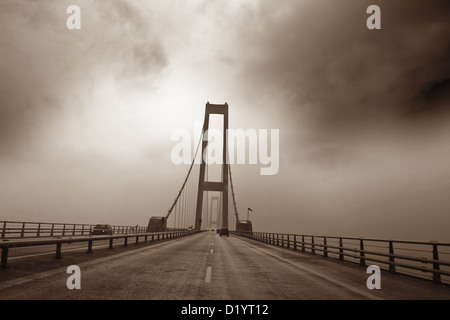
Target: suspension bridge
{"type": "Point", "coordinates": [198, 251]}
{"type": "Point", "coordinates": [208, 192]}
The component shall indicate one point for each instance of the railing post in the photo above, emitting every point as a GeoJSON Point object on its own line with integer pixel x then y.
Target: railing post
{"type": "Point", "coordinates": [295, 242]}
{"type": "Point", "coordinates": [64, 230]}
{"type": "Point", "coordinates": [51, 231]}
{"type": "Point", "coordinates": [110, 243]}
{"type": "Point", "coordinates": [137, 239]}
{"type": "Point", "coordinates": [303, 243]}
{"type": "Point", "coordinates": [4, 229]}
{"type": "Point", "coordinates": [125, 241]}
{"type": "Point", "coordinates": [288, 241]}
{"type": "Point", "coordinates": [89, 246]}
{"type": "Point", "coordinates": [58, 250]}
{"type": "Point", "coordinates": [73, 231]}
{"type": "Point", "coordinates": [325, 248]}
{"type": "Point", "coordinates": [391, 257]}
{"type": "Point", "coordinates": [4, 260]}
{"type": "Point", "coordinates": [362, 259]}
{"type": "Point", "coordinates": [23, 230]}
{"type": "Point", "coordinates": [341, 250]}
{"type": "Point", "coordinates": [313, 250]}
{"type": "Point", "coordinates": [38, 230]}
{"type": "Point", "coordinates": [278, 240]}
{"type": "Point", "coordinates": [436, 275]}
{"type": "Point", "coordinates": [282, 240]}
{"type": "Point", "coordinates": [82, 230]}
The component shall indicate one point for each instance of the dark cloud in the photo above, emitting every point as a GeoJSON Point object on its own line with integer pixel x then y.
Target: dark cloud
{"type": "Point", "coordinates": [434, 99]}
{"type": "Point", "coordinates": [340, 94]}
{"type": "Point", "coordinates": [338, 75]}
{"type": "Point", "coordinates": [45, 67]}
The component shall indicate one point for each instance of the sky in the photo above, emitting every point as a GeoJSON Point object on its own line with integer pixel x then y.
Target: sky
{"type": "Point", "coordinates": [87, 116]}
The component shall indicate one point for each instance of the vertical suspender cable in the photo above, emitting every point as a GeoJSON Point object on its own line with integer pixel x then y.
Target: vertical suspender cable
{"type": "Point", "coordinates": [187, 177]}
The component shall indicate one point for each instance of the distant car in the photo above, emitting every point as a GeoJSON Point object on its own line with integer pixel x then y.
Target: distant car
{"type": "Point", "coordinates": [223, 232]}
{"type": "Point", "coordinates": [103, 229]}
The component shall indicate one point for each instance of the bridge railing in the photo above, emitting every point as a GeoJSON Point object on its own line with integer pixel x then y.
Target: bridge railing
{"type": "Point", "coordinates": [429, 260]}
{"type": "Point", "coordinates": [15, 229]}
{"type": "Point", "coordinates": [7, 244]}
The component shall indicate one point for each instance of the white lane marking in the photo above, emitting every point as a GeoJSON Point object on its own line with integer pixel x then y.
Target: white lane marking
{"type": "Point", "coordinates": [208, 274]}
{"type": "Point", "coordinates": [321, 275]}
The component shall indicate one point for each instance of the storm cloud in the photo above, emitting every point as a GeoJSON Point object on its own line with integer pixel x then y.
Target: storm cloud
{"type": "Point", "coordinates": [339, 74]}
{"type": "Point", "coordinates": [86, 116]}
{"type": "Point", "coordinates": [44, 68]}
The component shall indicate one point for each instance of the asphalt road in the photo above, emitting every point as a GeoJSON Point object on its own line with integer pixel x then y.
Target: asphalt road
{"type": "Point", "coordinates": [205, 266]}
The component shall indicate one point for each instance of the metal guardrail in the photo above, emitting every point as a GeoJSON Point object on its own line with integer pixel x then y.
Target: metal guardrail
{"type": "Point", "coordinates": [15, 229]}
{"type": "Point", "coordinates": [414, 258]}
{"type": "Point", "coordinates": [6, 244]}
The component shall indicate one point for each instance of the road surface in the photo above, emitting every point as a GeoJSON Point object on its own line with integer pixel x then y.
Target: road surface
{"type": "Point", "coordinates": [205, 266]}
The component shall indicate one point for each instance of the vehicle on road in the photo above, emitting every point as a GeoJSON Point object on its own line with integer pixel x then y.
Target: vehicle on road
{"type": "Point", "coordinates": [102, 229]}
{"type": "Point", "coordinates": [223, 232]}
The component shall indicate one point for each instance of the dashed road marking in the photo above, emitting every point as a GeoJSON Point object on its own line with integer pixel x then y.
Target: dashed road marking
{"type": "Point", "coordinates": [208, 274]}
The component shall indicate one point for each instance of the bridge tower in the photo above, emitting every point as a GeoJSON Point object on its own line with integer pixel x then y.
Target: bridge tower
{"type": "Point", "coordinates": [221, 109]}
{"type": "Point", "coordinates": [214, 199]}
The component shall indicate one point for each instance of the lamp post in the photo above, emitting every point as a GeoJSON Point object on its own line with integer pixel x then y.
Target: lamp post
{"type": "Point", "coordinates": [248, 210]}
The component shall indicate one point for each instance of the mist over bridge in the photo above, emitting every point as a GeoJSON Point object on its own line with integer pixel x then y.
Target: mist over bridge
{"type": "Point", "coordinates": [198, 254]}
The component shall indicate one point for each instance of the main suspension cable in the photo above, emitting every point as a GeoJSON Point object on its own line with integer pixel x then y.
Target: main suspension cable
{"type": "Point", "coordinates": [232, 194]}
{"type": "Point", "coordinates": [187, 176]}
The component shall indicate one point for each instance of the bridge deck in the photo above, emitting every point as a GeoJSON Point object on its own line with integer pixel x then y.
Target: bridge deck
{"type": "Point", "coordinates": [206, 266]}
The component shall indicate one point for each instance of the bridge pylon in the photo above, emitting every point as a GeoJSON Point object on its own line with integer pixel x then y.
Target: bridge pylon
{"type": "Point", "coordinates": [221, 109]}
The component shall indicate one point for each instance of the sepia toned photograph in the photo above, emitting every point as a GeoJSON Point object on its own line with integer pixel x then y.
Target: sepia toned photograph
{"type": "Point", "coordinates": [215, 158]}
